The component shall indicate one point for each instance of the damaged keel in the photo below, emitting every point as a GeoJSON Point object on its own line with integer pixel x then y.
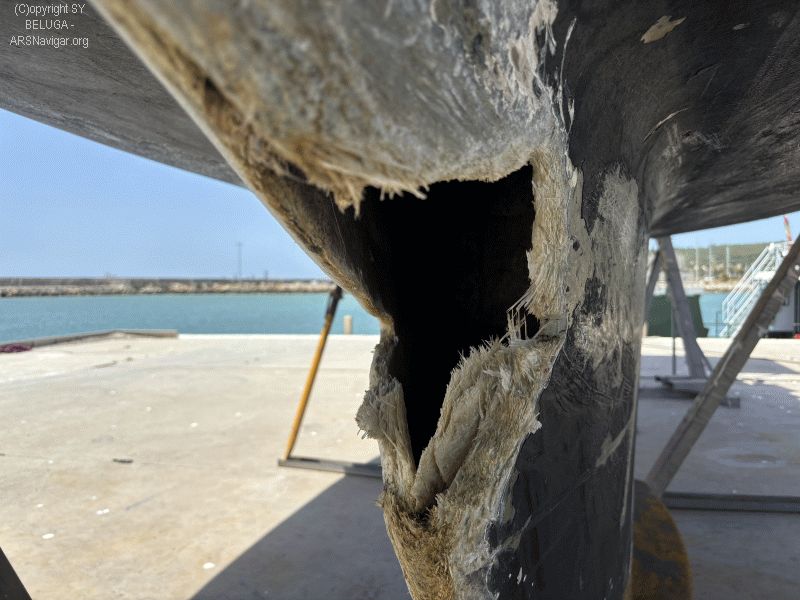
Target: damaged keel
{"type": "Point", "coordinates": [467, 519]}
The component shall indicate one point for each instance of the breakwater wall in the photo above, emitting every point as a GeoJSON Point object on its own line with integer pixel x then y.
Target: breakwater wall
{"type": "Point", "coordinates": [18, 287]}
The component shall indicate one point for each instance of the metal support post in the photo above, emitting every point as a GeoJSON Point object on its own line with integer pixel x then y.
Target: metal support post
{"type": "Point", "coordinates": [727, 262]}
{"type": "Point", "coordinates": [697, 264]}
{"type": "Point", "coordinates": [672, 334]}
{"type": "Point", "coordinates": [695, 359]}
{"type": "Point", "coordinates": [655, 271]}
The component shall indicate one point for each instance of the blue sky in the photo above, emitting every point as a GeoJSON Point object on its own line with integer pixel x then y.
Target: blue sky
{"type": "Point", "coordinates": [72, 207]}
{"type": "Point", "coordinates": [763, 230]}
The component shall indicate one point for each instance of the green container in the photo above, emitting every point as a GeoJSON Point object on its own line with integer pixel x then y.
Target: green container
{"type": "Point", "coordinates": [658, 321]}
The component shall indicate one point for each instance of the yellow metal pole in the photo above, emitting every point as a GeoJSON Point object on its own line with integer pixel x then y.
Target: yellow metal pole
{"type": "Point", "coordinates": [333, 300]}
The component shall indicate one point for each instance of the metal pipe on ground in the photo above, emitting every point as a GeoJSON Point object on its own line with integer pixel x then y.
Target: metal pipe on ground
{"type": "Point", "coordinates": [330, 311]}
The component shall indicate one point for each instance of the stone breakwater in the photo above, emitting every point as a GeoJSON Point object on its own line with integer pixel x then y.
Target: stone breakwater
{"type": "Point", "coordinates": [13, 287]}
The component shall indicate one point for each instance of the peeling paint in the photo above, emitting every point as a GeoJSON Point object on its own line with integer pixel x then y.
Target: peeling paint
{"type": "Point", "coordinates": [616, 240]}
{"type": "Point", "coordinates": [664, 120]}
{"type": "Point", "coordinates": [660, 29]}
{"type": "Point", "coordinates": [611, 443]}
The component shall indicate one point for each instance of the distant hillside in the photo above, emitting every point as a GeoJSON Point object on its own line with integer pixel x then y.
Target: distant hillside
{"type": "Point", "coordinates": [730, 268]}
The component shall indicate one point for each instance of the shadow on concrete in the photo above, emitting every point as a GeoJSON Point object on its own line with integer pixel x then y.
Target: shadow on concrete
{"type": "Point", "coordinates": [752, 384]}
{"type": "Point", "coordinates": [752, 448]}
{"type": "Point", "coordinates": [662, 365]}
{"type": "Point", "coordinates": [335, 547]}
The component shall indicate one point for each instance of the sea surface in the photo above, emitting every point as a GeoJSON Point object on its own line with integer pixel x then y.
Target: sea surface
{"type": "Point", "coordinates": [33, 317]}
{"type": "Point", "coordinates": [711, 309]}
{"type": "Point", "coordinates": [26, 318]}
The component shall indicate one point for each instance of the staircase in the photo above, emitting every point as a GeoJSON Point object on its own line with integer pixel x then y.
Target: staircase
{"type": "Point", "coordinates": [743, 296]}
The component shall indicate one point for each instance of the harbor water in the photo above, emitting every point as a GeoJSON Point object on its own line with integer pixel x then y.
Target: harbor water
{"type": "Point", "coordinates": [33, 317]}
{"type": "Point", "coordinates": [711, 309]}
{"type": "Point", "coordinates": [26, 318]}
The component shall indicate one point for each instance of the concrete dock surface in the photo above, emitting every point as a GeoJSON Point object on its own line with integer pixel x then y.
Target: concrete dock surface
{"type": "Point", "coordinates": [139, 468]}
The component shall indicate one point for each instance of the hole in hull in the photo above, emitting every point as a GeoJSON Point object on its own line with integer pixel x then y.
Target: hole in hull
{"type": "Point", "coordinates": [453, 264]}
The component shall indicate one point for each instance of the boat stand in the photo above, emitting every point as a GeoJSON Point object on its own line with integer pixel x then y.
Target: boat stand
{"type": "Point", "coordinates": [309, 462]}
{"type": "Point", "coordinates": [696, 361]}
{"type": "Point", "coordinates": [714, 390]}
